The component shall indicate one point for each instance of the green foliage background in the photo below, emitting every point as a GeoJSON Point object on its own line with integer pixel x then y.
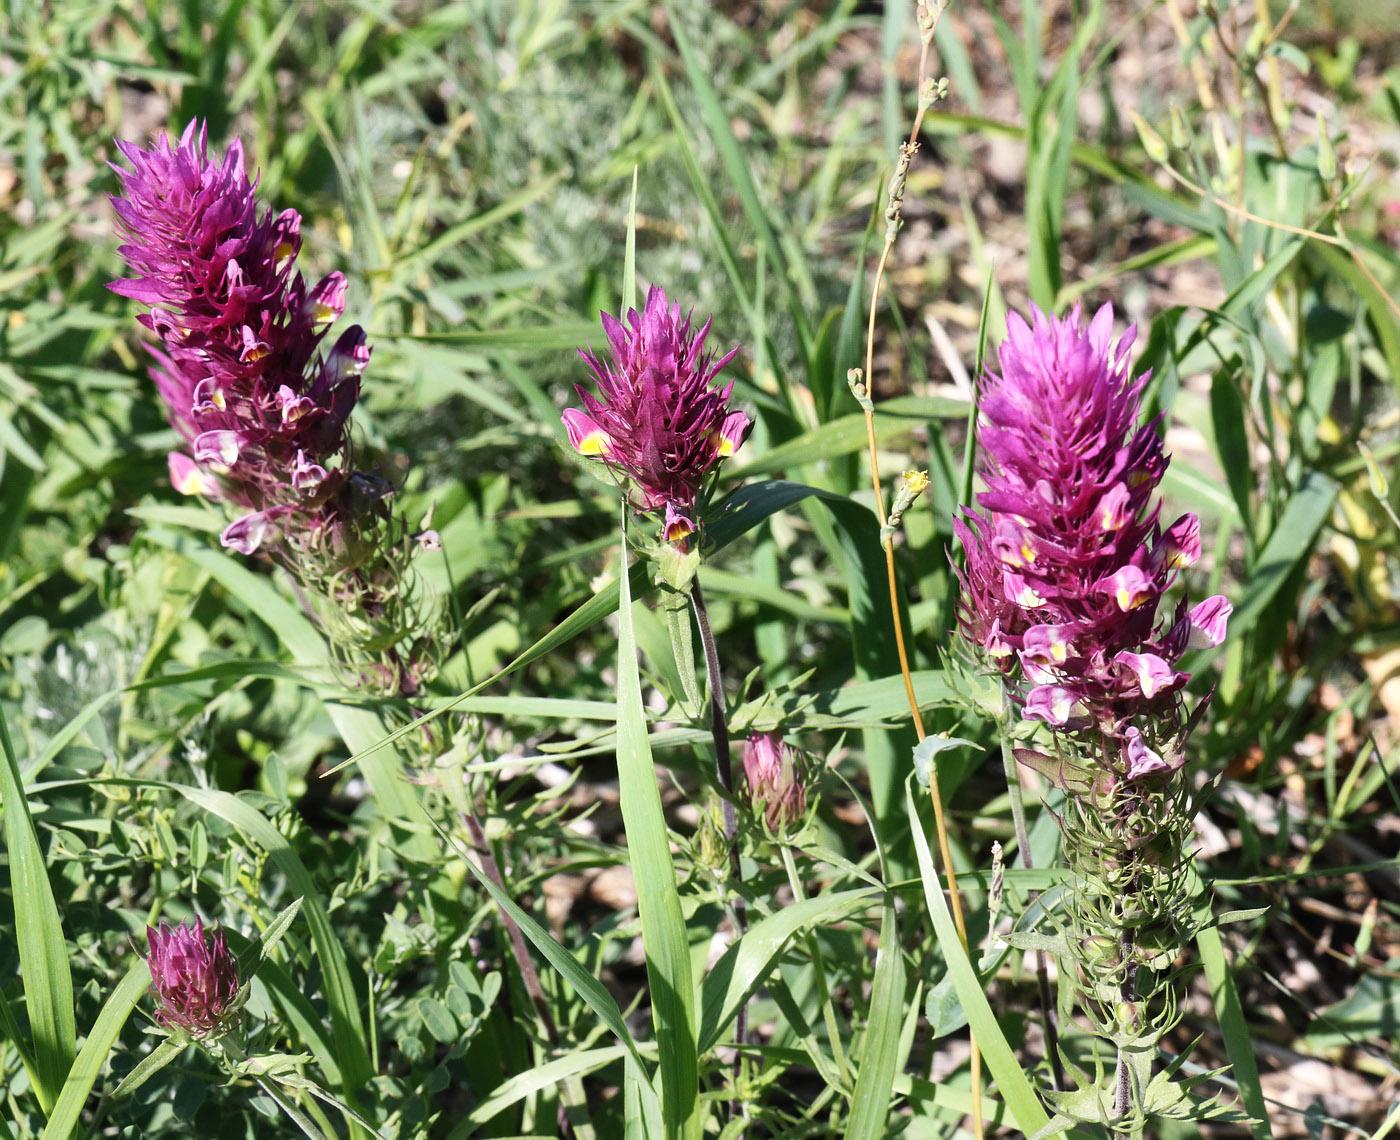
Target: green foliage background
{"type": "Point", "coordinates": [468, 167]}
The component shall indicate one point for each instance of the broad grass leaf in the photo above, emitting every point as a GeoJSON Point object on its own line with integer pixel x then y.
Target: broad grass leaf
{"type": "Point", "coordinates": [879, 1056]}
{"type": "Point", "coordinates": [43, 954]}
{"type": "Point", "coordinates": [749, 960]}
{"type": "Point", "coordinates": [83, 1075]}
{"type": "Point", "coordinates": [672, 987]}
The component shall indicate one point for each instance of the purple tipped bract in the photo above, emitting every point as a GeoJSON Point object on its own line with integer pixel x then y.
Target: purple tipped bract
{"type": "Point", "coordinates": [775, 784]}
{"type": "Point", "coordinates": [1067, 560]}
{"type": "Point", "coordinates": [656, 420]}
{"type": "Point", "coordinates": [194, 978]}
{"type": "Point", "coordinates": [238, 365]}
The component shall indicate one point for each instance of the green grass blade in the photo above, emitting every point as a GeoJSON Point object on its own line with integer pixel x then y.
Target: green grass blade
{"type": "Point", "coordinates": [589, 988]}
{"type": "Point", "coordinates": [739, 170]}
{"type": "Point", "coordinates": [534, 338]}
{"type": "Point", "coordinates": [748, 961]}
{"type": "Point", "coordinates": [43, 957]}
{"type": "Point", "coordinates": [1289, 544]}
{"type": "Point", "coordinates": [361, 730]}
{"type": "Point", "coordinates": [522, 1085]}
{"type": "Point", "coordinates": [1227, 415]}
{"type": "Point", "coordinates": [1238, 1044]}
{"type": "Point", "coordinates": [658, 902]}
{"type": "Point", "coordinates": [629, 259]}
{"type": "Point", "coordinates": [870, 1106]}
{"type": "Point", "coordinates": [83, 1075]}
{"type": "Point", "coordinates": [1021, 1102]}
{"type": "Point", "coordinates": [640, 1108]}
{"type": "Point", "coordinates": [846, 435]}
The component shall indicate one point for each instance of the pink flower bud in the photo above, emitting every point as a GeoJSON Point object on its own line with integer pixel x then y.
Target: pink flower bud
{"type": "Point", "coordinates": [774, 782]}
{"type": "Point", "coordinates": [194, 978]}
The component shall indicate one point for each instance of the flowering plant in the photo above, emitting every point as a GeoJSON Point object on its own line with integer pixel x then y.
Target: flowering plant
{"type": "Point", "coordinates": [1067, 567]}
{"type": "Point", "coordinates": [656, 422]}
{"type": "Point", "coordinates": [1067, 562]}
{"type": "Point", "coordinates": [264, 412]}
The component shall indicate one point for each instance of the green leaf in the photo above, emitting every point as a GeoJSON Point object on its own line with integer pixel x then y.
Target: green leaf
{"type": "Point", "coordinates": [629, 257]}
{"type": "Point", "coordinates": [1021, 1102]}
{"type": "Point", "coordinates": [83, 1075]}
{"type": "Point", "coordinates": [1232, 442]}
{"type": "Point", "coordinates": [749, 960]}
{"type": "Point", "coordinates": [1288, 545]}
{"type": "Point", "coordinates": [870, 1106]}
{"type": "Point", "coordinates": [571, 970]}
{"type": "Point", "coordinates": [1370, 1012]}
{"type": "Point", "coordinates": [672, 988]}
{"type": "Point", "coordinates": [517, 1088]}
{"type": "Point", "coordinates": [536, 338]}
{"type": "Point", "coordinates": [43, 956]}
{"type": "Point", "coordinates": [1239, 1042]}
{"type": "Point", "coordinates": [362, 730]}
{"type": "Point", "coordinates": [148, 1066]}
{"type": "Point", "coordinates": [439, 1020]}
{"type": "Point", "coordinates": [847, 434]}
{"type": "Point", "coordinates": [738, 168]}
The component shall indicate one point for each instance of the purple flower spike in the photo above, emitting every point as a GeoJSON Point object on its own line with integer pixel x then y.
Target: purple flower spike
{"type": "Point", "coordinates": [1066, 559]}
{"type": "Point", "coordinates": [656, 419]}
{"type": "Point", "coordinates": [775, 784]}
{"type": "Point", "coordinates": [239, 365]}
{"type": "Point", "coordinates": [194, 978]}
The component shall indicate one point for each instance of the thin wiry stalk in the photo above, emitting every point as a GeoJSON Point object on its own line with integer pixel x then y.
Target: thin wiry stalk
{"type": "Point", "coordinates": [724, 774]}
{"type": "Point", "coordinates": [944, 849]}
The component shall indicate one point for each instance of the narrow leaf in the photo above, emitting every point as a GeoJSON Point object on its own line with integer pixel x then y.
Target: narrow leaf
{"type": "Point", "coordinates": [870, 1106]}
{"type": "Point", "coordinates": [83, 1075]}
{"type": "Point", "coordinates": [672, 988]}
{"type": "Point", "coordinates": [43, 957]}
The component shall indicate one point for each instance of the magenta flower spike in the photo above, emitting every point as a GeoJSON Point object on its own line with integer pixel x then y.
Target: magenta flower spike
{"type": "Point", "coordinates": [239, 367]}
{"type": "Point", "coordinates": [1067, 561]}
{"type": "Point", "coordinates": [194, 978]}
{"type": "Point", "coordinates": [775, 784]}
{"type": "Point", "coordinates": [656, 420]}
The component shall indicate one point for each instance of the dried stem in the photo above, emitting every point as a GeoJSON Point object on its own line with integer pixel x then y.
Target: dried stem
{"type": "Point", "coordinates": [523, 961]}
{"type": "Point", "coordinates": [928, 19]}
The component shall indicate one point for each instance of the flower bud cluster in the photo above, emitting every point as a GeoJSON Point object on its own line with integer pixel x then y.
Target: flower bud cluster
{"type": "Point", "coordinates": [1067, 560]}
{"type": "Point", "coordinates": [194, 978]}
{"type": "Point", "coordinates": [656, 421]}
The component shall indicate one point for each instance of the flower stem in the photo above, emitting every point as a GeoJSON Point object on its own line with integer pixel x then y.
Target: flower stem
{"type": "Point", "coordinates": [724, 774]}
{"type": "Point", "coordinates": [523, 961]}
{"type": "Point", "coordinates": [823, 991]}
{"type": "Point", "coordinates": [944, 850]}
